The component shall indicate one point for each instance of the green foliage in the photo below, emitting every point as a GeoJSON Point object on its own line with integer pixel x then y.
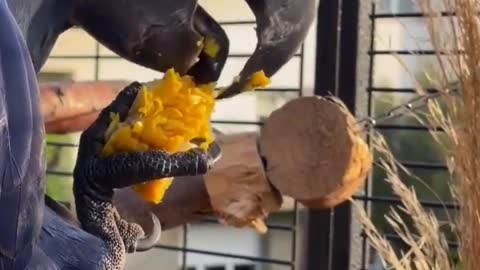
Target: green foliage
{"type": "Point", "coordinates": [60, 160]}
{"type": "Point", "coordinates": [430, 184]}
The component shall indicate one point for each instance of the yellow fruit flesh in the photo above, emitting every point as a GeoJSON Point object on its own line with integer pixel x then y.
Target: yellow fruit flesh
{"type": "Point", "coordinates": [211, 47]}
{"type": "Point", "coordinates": [167, 116]}
{"type": "Point", "coordinates": [258, 79]}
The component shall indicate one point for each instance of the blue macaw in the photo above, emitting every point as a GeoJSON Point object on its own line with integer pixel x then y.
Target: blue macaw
{"type": "Point", "coordinates": [35, 231]}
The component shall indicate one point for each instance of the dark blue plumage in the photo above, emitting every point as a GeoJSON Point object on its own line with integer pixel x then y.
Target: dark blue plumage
{"type": "Point", "coordinates": [22, 166]}
{"type": "Point", "coordinates": [67, 246]}
{"type": "Point", "coordinates": [35, 235]}
{"type": "Point", "coordinates": [24, 243]}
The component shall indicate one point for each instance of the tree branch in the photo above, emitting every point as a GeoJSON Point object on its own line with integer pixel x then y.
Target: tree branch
{"type": "Point", "coordinates": [69, 107]}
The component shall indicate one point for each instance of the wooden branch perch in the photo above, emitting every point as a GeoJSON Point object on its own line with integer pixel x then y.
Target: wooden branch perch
{"type": "Point", "coordinates": [236, 191]}
{"type": "Point", "coordinates": [320, 160]}
{"type": "Point", "coordinates": [71, 107]}
{"type": "Point", "coordinates": [317, 158]}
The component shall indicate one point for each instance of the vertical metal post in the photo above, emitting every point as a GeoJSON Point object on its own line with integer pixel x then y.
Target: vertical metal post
{"type": "Point", "coordinates": [97, 61]}
{"type": "Point", "coordinates": [328, 231]}
{"type": "Point", "coordinates": [184, 246]}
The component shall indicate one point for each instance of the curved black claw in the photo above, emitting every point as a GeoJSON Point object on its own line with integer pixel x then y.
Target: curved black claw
{"type": "Point", "coordinates": [156, 34]}
{"type": "Point", "coordinates": [214, 152]}
{"type": "Point", "coordinates": [282, 26]}
{"type": "Point", "coordinates": [150, 241]}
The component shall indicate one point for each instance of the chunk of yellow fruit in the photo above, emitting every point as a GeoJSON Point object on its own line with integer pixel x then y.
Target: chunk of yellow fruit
{"type": "Point", "coordinates": [166, 116]}
{"type": "Point", "coordinates": [258, 79]}
{"type": "Point", "coordinates": [211, 47]}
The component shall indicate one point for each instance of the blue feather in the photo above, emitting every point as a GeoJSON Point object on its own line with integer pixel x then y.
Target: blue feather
{"type": "Point", "coordinates": [21, 148]}
{"type": "Point", "coordinates": [32, 236]}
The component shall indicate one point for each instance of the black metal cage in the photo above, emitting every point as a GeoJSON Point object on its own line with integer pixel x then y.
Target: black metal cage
{"type": "Point", "coordinates": [346, 64]}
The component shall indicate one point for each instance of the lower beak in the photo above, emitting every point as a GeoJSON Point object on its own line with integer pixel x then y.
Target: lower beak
{"type": "Point", "coordinates": [282, 27]}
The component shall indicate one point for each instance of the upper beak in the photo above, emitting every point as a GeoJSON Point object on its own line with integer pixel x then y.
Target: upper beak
{"type": "Point", "coordinates": [180, 34]}
{"type": "Point", "coordinates": [157, 34]}
{"type": "Point", "coordinates": [282, 26]}
{"type": "Point", "coordinates": [214, 54]}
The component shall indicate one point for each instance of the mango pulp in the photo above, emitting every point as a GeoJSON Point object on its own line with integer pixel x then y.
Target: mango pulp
{"type": "Point", "coordinates": [166, 116]}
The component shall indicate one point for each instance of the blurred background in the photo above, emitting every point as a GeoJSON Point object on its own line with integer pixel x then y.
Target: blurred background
{"type": "Point", "coordinates": [373, 71]}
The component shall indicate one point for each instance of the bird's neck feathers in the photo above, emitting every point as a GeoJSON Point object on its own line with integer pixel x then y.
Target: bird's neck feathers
{"type": "Point", "coordinates": [24, 11]}
{"type": "Point", "coordinates": [41, 22]}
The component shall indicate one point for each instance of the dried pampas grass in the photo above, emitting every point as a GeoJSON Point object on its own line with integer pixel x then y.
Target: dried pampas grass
{"type": "Point", "coordinates": [427, 244]}
{"type": "Point", "coordinates": [456, 40]}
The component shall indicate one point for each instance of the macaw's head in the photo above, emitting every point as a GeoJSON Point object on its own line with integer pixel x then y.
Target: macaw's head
{"type": "Point", "coordinates": [180, 34]}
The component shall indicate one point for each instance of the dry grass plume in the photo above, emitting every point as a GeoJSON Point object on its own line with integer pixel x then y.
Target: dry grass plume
{"type": "Point", "coordinates": [456, 40]}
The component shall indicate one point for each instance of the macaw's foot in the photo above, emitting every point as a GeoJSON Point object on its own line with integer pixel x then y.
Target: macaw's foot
{"type": "Point", "coordinates": [101, 219]}
{"type": "Point", "coordinates": [96, 178]}
{"type": "Point", "coordinates": [93, 192]}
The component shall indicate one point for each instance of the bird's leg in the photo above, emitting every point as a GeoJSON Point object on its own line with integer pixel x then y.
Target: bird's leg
{"type": "Point", "coordinates": [96, 177]}
{"type": "Point", "coordinates": [130, 233]}
{"type": "Point", "coordinates": [98, 217]}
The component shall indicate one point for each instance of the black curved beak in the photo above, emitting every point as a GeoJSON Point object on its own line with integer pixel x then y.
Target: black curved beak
{"type": "Point", "coordinates": [158, 34]}
{"type": "Point", "coordinates": [282, 26]}
{"type": "Point", "coordinates": [179, 34]}
{"type": "Point", "coordinates": [215, 52]}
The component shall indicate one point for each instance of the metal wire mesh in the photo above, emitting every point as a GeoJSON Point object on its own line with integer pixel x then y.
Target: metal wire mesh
{"type": "Point", "coordinates": [428, 165]}
{"type": "Point", "coordinates": [290, 227]}
{"type": "Point", "coordinates": [329, 242]}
